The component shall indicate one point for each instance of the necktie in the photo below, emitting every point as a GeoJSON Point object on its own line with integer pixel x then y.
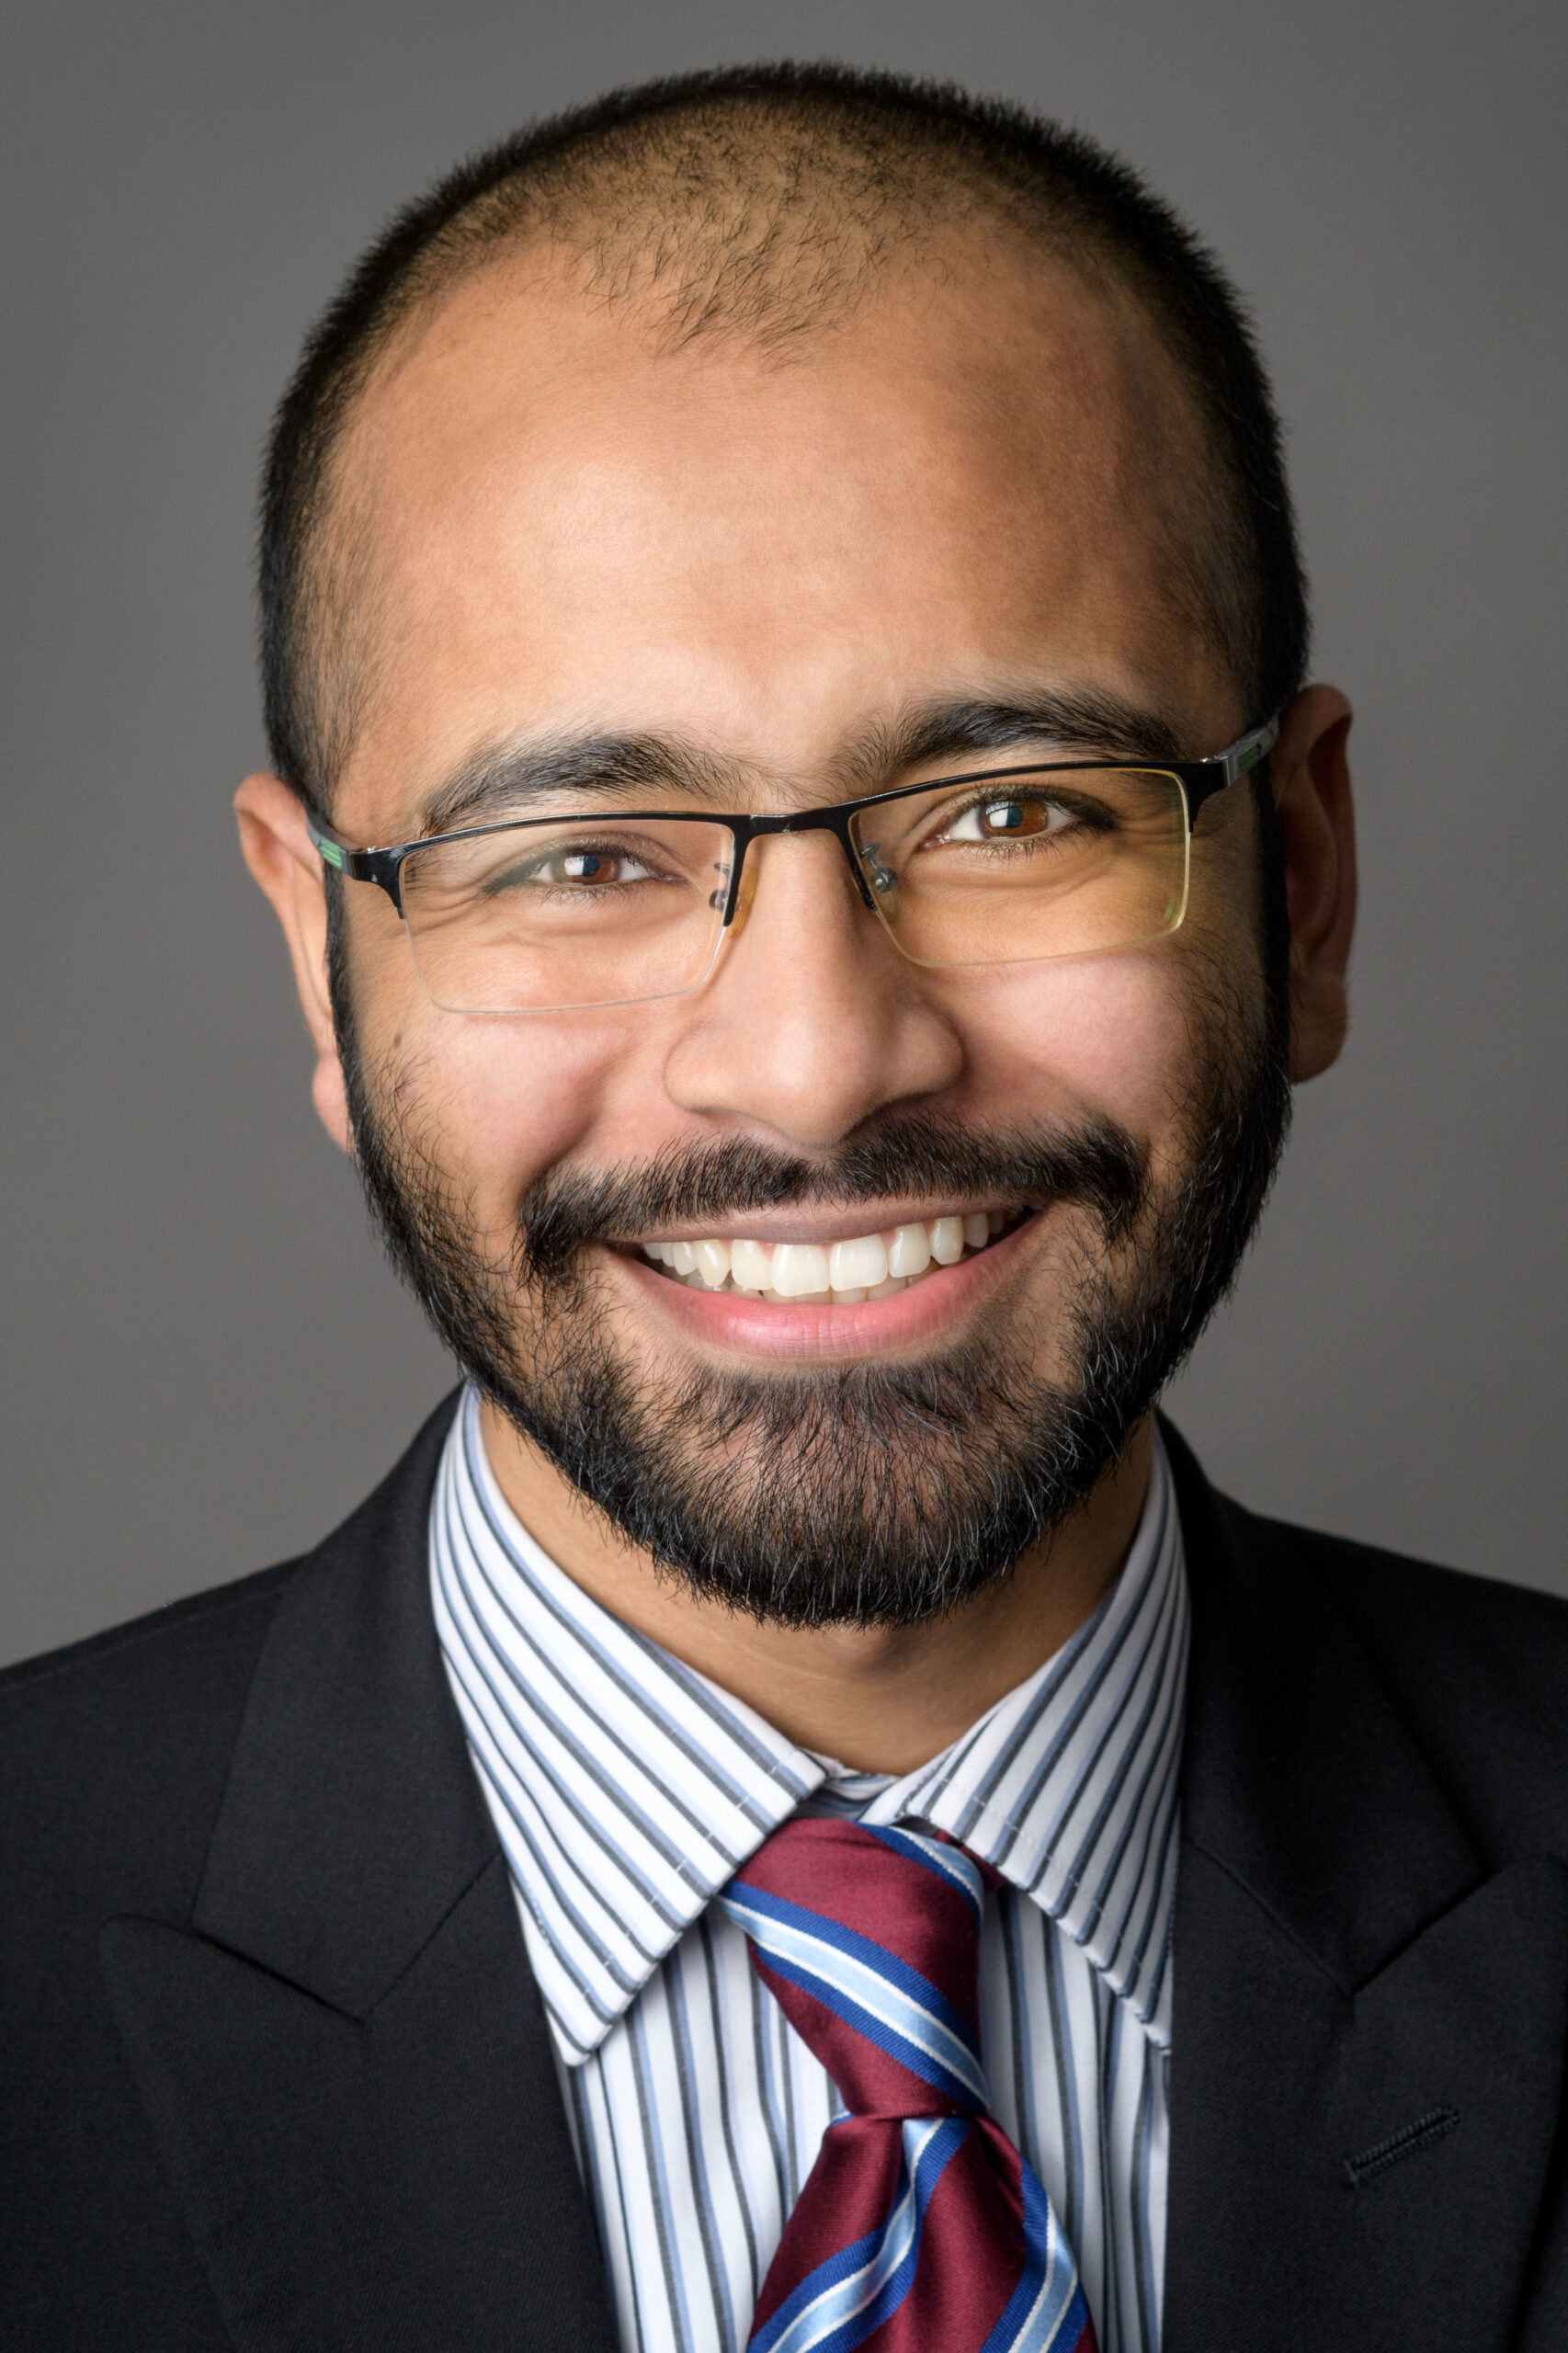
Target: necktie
{"type": "Point", "coordinates": [920, 2229]}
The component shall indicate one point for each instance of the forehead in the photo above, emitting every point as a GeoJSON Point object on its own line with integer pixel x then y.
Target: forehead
{"type": "Point", "coordinates": [562, 520]}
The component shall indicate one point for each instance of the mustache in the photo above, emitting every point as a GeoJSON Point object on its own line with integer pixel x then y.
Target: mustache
{"type": "Point", "coordinates": [565, 1210]}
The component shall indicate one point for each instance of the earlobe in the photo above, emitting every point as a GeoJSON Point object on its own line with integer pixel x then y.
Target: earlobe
{"type": "Point", "coordinates": [286, 867]}
{"type": "Point", "coordinates": [330, 1097]}
{"type": "Point", "coordinates": [1317, 831]}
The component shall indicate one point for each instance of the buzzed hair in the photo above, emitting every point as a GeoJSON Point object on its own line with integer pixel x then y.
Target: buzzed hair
{"type": "Point", "coordinates": [768, 201]}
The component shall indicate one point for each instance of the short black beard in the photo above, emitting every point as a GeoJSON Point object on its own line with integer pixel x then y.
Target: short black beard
{"type": "Point", "coordinates": [868, 1494]}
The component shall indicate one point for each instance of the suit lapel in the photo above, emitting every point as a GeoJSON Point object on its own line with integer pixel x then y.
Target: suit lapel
{"type": "Point", "coordinates": [349, 2077]}
{"type": "Point", "coordinates": [342, 2052]}
{"type": "Point", "coordinates": [1369, 2025]}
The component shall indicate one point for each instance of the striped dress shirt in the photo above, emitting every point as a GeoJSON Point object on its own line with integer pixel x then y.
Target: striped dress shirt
{"type": "Point", "coordinates": [626, 1789]}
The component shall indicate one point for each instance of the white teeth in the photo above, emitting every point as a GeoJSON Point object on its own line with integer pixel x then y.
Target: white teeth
{"type": "Point", "coordinates": [946, 1240]}
{"type": "Point", "coordinates": [751, 1266]}
{"type": "Point", "coordinates": [909, 1250]}
{"type": "Point", "coordinates": [811, 1274]}
{"type": "Point", "coordinates": [799, 1269]}
{"type": "Point", "coordinates": [855, 1265]}
{"type": "Point", "coordinates": [713, 1259]}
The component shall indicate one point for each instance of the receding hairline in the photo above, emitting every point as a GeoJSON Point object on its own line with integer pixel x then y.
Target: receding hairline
{"type": "Point", "coordinates": [764, 215]}
{"type": "Point", "coordinates": [345, 583]}
{"type": "Point", "coordinates": [750, 211]}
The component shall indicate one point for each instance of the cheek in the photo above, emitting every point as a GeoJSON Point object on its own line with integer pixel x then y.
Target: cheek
{"type": "Point", "coordinates": [492, 1104]}
{"type": "Point", "coordinates": [496, 1103]}
{"type": "Point", "coordinates": [1112, 1035]}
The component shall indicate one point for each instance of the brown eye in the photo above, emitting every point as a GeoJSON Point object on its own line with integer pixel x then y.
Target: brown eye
{"type": "Point", "coordinates": [588, 866]}
{"type": "Point", "coordinates": [1010, 817]}
{"type": "Point", "coordinates": [581, 867]}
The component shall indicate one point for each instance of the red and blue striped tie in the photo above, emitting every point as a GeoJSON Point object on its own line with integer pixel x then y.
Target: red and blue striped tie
{"type": "Point", "coordinates": [920, 2228]}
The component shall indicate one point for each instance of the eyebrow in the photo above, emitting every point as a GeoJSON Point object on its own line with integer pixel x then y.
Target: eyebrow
{"type": "Point", "coordinates": [1081, 723]}
{"type": "Point", "coordinates": [497, 779]}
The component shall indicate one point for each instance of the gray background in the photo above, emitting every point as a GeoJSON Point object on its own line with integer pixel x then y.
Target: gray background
{"type": "Point", "coordinates": [206, 1362]}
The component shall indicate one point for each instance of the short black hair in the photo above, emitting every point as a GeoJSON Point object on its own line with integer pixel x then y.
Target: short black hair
{"type": "Point", "coordinates": [741, 199]}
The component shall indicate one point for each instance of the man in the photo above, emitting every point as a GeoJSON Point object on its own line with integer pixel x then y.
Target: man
{"type": "Point", "coordinates": [795, 1817]}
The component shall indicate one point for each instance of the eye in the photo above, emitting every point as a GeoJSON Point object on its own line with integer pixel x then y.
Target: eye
{"type": "Point", "coordinates": [567, 867]}
{"type": "Point", "coordinates": [1007, 816]}
{"type": "Point", "coordinates": [595, 866]}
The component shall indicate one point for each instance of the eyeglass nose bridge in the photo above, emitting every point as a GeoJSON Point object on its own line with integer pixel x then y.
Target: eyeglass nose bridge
{"type": "Point", "coordinates": [739, 897]}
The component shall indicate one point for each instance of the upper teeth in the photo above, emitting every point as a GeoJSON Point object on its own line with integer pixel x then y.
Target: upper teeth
{"type": "Point", "coordinates": [871, 1266]}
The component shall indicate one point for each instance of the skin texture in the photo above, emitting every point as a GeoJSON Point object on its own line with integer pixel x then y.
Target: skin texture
{"type": "Point", "coordinates": [773, 561]}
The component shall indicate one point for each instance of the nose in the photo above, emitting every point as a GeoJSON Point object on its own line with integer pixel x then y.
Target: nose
{"type": "Point", "coordinates": [812, 1021]}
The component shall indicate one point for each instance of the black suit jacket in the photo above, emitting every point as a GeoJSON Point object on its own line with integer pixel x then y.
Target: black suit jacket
{"type": "Point", "coordinates": [274, 2074]}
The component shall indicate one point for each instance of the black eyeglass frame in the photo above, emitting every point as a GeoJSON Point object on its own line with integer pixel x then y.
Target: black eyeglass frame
{"type": "Point", "coordinates": [1199, 781]}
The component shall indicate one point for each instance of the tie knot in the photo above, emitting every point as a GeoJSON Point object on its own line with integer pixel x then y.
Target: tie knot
{"type": "Point", "coordinates": [871, 1941]}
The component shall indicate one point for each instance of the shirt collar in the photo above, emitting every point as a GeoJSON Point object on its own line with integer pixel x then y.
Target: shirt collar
{"type": "Point", "coordinates": [626, 1789]}
{"type": "Point", "coordinates": [1068, 1786]}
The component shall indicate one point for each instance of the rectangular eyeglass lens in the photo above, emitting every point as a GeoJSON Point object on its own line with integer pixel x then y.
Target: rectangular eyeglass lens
{"type": "Point", "coordinates": [588, 908]}
{"type": "Point", "coordinates": [1030, 865]}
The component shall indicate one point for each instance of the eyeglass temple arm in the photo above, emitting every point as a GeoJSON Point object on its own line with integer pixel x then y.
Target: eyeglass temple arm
{"type": "Point", "coordinates": [358, 864]}
{"type": "Point", "coordinates": [1201, 779]}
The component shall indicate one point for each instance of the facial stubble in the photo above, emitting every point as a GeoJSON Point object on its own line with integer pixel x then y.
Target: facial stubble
{"type": "Point", "coordinates": [866, 1492]}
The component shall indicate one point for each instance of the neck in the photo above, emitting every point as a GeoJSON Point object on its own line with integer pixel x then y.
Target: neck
{"type": "Point", "coordinates": [880, 1700]}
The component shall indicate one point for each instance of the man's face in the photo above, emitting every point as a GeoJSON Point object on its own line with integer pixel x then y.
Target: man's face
{"type": "Point", "coordinates": [773, 568]}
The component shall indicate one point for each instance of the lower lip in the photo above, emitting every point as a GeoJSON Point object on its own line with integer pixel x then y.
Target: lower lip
{"type": "Point", "coordinates": [737, 1321]}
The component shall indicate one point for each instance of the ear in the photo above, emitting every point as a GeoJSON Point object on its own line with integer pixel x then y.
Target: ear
{"type": "Point", "coordinates": [1317, 828]}
{"type": "Point", "coordinates": [284, 862]}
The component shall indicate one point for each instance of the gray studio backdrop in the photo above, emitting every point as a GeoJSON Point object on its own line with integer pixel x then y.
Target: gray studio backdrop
{"type": "Point", "coordinates": [206, 1362]}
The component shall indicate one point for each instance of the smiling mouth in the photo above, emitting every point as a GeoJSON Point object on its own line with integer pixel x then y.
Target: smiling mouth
{"type": "Point", "coordinates": [840, 1274]}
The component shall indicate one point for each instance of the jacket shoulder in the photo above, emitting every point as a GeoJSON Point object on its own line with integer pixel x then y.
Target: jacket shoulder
{"type": "Point", "coordinates": [185, 1655]}
{"type": "Point", "coordinates": [142, 1644]}
{"type": "Point", "coordinates": [1476, 1668]}
{"type": "Point", "coordinates": [113, 1752]}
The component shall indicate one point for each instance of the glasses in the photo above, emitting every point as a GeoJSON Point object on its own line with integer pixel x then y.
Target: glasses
{"type": "Point", "coordinates": [579, 907]}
